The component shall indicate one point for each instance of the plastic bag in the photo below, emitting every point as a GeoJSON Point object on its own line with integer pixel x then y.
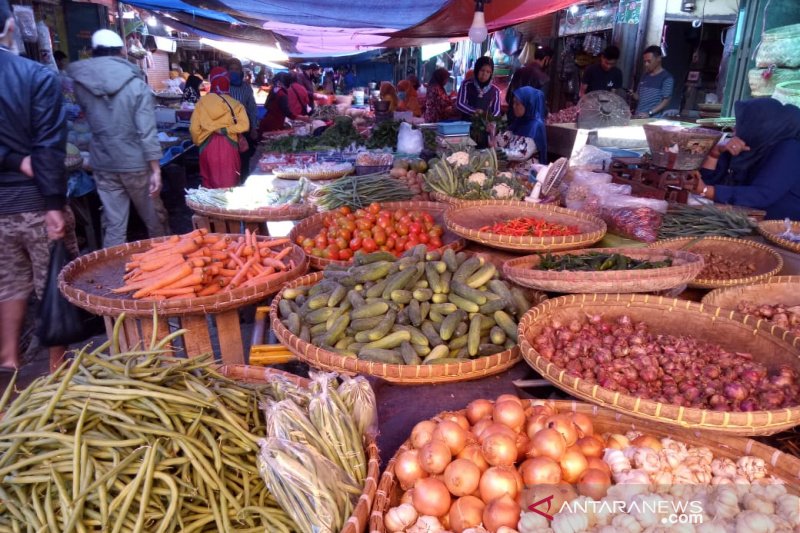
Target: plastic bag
{"type": "Point", "coordinates": [60, 322]}
{"type": "Point", "coordinates": [591, 157]}
{"type": "Point", "coordinates": [359, 398]}
{"type": "Point", "coordinates": [639, 223]}
{"type": "Point", "coordinates": [26, 23]}
{"type": "Point", "coordinates": [314, 492]}
{"type": "Point", "coordinates": [409, 140]}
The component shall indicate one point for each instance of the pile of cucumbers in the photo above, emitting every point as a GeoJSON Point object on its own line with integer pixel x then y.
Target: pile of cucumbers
{"type": "Point", "coordinates": [422, 308]}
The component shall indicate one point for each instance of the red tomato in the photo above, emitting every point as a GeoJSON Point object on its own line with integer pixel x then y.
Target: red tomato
{"type": "Point", "coordinates": [299, 240]}
{"type": "Point", "coordinates": [406, 220]}
{"type": "Point", "coordinates": [341, 243]}
{"type": "Point", "coordinates": [424, 238]}
{"type": "Point", "coordinates": [374, 208]}
{"type": "Point", "coordinates": [391, 243]}
{"type": "Point", "coordinates": [379, 236]}
{"type": "Point", "coordinates": [401, 244]}
{"type": "Point", "coordinates": [363, 224]}
{"type": "Point", "coordinates": [369, 245]}
{"type": "Point", "coordinates": [345, 254]}
{"type": "Point", "coordinates": [364, 233]}
{"type": "Point", "coordinates": [436, 242]}
{"type": "Point", "coordinates": [409, 245]}
{"type": "Point", "coordinates": [402, 229]}
{"type": "Point", "coordinates": [371, 217]}
{"type": "Point", "coordinates": [321, 241]}
{"type": "Point", "coordinates": [307, 250]}
{"type": "Point", "coordinates": [355, 243]}
{"type": "Point", "coordinates": [382, 222]}
{"type": "Point", "coordinates": [344, 210]}
{"type": "Point", "coordinates": [349, 225]}
{"type": "Point", "coordinates": [360, 213]}
{"type": "Point", "coordinates": [384, 248]}
{"type": "Point", "coordinates": [427, 218]}
{"type": "Point", "coordinates": [333, 252]}
{"type": "Point", "coordinates": [415, 227]}
{"type": "Point", "coordinates": [436, 231]}
{"type": "Point", "coordinates": [400, 213]}
{"type": "Point", "coordinates": [308, 243]}
{"type": "Point", "coordinates": [316, 252]}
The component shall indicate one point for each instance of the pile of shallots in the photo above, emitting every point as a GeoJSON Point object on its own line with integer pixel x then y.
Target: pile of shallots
{"type": "Point", "coordinates": [624, 356]}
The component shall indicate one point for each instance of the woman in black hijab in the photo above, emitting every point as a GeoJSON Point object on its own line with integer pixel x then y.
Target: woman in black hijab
{"type": "Point", "coordinates": [191, 93]}
{"type": "Point", "coordinates": [758, 167]}
{"type": "Point", "coordinates": [479, 94]}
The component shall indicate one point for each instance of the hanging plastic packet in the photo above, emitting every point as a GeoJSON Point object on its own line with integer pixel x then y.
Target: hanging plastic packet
{"type": "Point", "coordinates": [359, 398]}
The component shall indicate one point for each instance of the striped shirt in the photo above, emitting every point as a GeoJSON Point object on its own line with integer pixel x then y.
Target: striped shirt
{"type": "Point", "coordinates": [653, 89]}
{"type": "Point", "coordinates": [471, 97]}
{"type": "Point", "coordinates": [244, 95]}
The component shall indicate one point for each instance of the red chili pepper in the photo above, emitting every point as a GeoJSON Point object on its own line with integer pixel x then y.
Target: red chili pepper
{"type": "Point", "coordinates": [530, 226]}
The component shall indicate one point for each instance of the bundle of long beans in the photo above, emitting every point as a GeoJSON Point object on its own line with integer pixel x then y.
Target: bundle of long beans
{"type": "Point", "coordinates": [138, 442]}
{"type": "Point", "coordinates": [358, 192]}
{"type": "Point", "coordinates": [689, 221]}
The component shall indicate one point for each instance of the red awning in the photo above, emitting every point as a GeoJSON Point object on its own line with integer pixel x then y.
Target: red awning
{"type": "Point", "coordinates": [455, 19]}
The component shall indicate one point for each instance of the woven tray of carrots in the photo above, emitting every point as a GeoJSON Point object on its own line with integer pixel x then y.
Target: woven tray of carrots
{"type": "Point", "coordinates": [198, 271]}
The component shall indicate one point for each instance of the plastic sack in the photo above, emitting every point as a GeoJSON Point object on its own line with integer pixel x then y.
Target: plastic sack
{"type": "Point", "coordinates": [409, 140]}
{"type": "Point", "coordinates": [60, 322]}
{"type": "Point", "coordinates": [316, 494]}
{"type": "Point", "coordinates": [359, 398]}
{"type": "Point", "coordinates": [639, 223]}
{"type": "Point", "coordinates": [612, 201]}
{"type": "Point", "coordinates": [26, 23]}
{"type": "Point", "coordinates": [591, 157]}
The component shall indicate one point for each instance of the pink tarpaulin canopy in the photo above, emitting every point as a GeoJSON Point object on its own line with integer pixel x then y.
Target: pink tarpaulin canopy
{"type": "Point", "coordinates": [330, 41]}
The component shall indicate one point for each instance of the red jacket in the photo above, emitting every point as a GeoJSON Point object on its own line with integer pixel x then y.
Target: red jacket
{"type": "Point", "coordinates": [298, 99]}
{"type": "Point", "coordinates": [277, 112]}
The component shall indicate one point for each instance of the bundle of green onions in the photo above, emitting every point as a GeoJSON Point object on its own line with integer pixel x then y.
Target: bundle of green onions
{"type": "Point", "coordinates": [358, 192]}
{"type": "Point", "coordinates": [700, 221]}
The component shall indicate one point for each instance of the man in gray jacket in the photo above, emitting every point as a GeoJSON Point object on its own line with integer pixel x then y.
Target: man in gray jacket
{"type": "Point", "coordinates": [125, 150]}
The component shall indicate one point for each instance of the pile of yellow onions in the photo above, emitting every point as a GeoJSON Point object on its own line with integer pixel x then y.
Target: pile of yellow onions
{"type": "Point", "coordinates": [486, 465]}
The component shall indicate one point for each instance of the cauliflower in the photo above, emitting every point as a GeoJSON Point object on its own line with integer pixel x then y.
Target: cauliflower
{"type": "Point", "coordinates": [502, 191]}
{"type": "Point", "coordinates": [459, 159]}
{"type": "Point", "coordinates": [478, 178]}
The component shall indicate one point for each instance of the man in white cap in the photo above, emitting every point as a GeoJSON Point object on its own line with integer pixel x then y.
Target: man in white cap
{"type": "Point", "coordinates": [125, 150]}
{"type": "Point", "coordinates": [33, 182]}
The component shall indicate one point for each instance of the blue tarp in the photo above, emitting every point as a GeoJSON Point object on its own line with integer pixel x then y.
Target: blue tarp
{"type": "Point", "coordinates": [182, 7]}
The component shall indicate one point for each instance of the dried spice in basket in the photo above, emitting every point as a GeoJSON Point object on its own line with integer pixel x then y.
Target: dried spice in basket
{"type": "Point", "coordinates": [597, 262]}
{"type": "Point", "coordinates": [782, 315]}
{"type": "Point", "coordinates": [531, 227]}
{"type": "Point", "coordinates": [720, 267]}
{"type": "Point", "coordinates": [625, 356]}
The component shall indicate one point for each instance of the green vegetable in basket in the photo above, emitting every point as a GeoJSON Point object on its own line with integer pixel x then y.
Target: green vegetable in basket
{"type": "Point", "coordinates": [597, 262]}
{"type": "Point", "coordinates": [700, 221]}
{"type": "Point", "coordinates": [357, 192]}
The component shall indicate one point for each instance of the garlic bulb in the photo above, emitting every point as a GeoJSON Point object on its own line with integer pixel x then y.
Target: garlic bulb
{"type": "Point", "coordinates": [723, 468]}
{"type": "Point", "coordinates": [752, 467]}
{"type": "Point", "coordinates": [641, 508]}
{"type": "Point", "coordinates": [711, 526]}
{"type": "Point", "coordinates": [400, 518]}
{"type": "Point", "coordinates": [768, 491]}
{"type": "Point", "coordinates": [702, 454]}
{"type": "Point", "coordinates": [723, 503]}
{"type": "Point", "coordinates": [662, 479]}
{"type": "Point", "coordinates": [684, 475]}
{"type": "Point", "coordinates": [529, 522]}
{"type": "Point", "coordinates": [478, 529]}
{"type": "Point", "coordinates": [788, 507]}
{"type": "Point", "coordinates": [506, 529]}
{"type": "Point", "coordinates": [625, 523]}
{"type": "Point", "coordinates": [426, 524]}
{"type": "Point", "coordinates": [675, 446]}
{"type": "Point", "coordinates": [754, 502]}
{"type": "Point", "coordinates": [604, 512]}
{"type": "Point", "coordinates": [606, 529]}
{"type": "Point", "coordinates": [616, 461]}
{"type": "Point", "coordinates": [565, 522]}
{"type": "Point", "coordinates": [646, 459]}
{"type": "Point", "coordinates": [754, 522]}
{"type": "Point", "coordinates": [633, 477]}
{"type": "Point", "coordinates": [672, 458]}
{"type": "Point", "coordinates": [624, 492]}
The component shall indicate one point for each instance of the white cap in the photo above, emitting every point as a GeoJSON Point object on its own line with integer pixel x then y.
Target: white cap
{"type": "Point", "coordinates": [106, 39]}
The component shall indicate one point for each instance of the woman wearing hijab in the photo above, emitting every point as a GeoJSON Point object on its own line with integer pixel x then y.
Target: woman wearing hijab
{"type": "Point", "coordinates": [191, 93]}
{"type": "Point", "coordinates": [438, 106]}
{"type": "Point", "coordinates": [758, 167]}
{"type": "Point", "coordinates": [527, 130]}
{"type": "Point", "coordinates": [409, 101]}
{"type": "Point", "coordinates": [217, 124]}
{"type": "Point", "coordinates": [479, 94]}
{"type": "Point", "coordinates": [389, 94]}
{"type": "Point", "coordinates": [278, 105]}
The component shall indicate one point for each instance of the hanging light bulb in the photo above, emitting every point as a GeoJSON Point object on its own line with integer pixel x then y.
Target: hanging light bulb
{"type": "Point", "coordinates": [478, 31]}
{"type": "Point", "coordinates": [152, 21]}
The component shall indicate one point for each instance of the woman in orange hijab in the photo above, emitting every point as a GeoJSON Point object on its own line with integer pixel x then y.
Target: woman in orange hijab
{"type": "Point", "coordinates": [409, 102]}
{"type": "Point", "coordinates": [389, 94]}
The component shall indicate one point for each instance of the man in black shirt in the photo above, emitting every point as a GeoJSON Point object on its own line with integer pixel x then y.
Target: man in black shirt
{"type": "Point", "coordinates": [534, 74]}
{"type": "Point", "coordinates": [603, 76]}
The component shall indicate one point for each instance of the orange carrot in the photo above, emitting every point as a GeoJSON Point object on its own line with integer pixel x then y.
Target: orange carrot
{"type": "Point", "coordinates": [159, 262]}
{"type": "Point", "coordinates": [273, 243]}
{"type": "Point", "coordinates": [210, 289]}
{"type": "Point", "coordinates": [188, 281]}
{"type": "Point", "coordinates": [269, 262]}
{"type": "Point", "coordinates": [235, 258]}
{"type": "Point", "coordinates": [228, 272]}
{"type": "Point", "coordinates": [220, 244]}
{"type": "Point", "coordinates": [183, 271]}
{"type": "Point", "coordinates": [283, 253]}
{"type": "Point", "coordinates": [262, 278]}
{"type": "Point", "coordinates": [211, 239]}
{"type": "Point", "coordinates": [218, 256]}
{"type": "Point", "coordinates": [174, 292]}
{"type": "Point", "coordinates": [242, 273]}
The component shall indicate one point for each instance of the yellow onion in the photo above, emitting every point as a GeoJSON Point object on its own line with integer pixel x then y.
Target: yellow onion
{"type": "Point", "coordinates": [536, 423]}
{"type": "Point", "coordinates": [478, 410]}
{"type": "Point", "coordinates": [422, 433]}
{"type": "Point", "coordinates": [500, 480]}
{"type": "Point", "coordinates": [599, 464]}
{"type": "Point", "coordinates": [594, 483]}
{"type": "Point", "coordinates": [648, 441]}
{"type": "Point", "coordinates": [473, 452]}
{"type": "Point", "coordinates": [543, 407]}
{"type": "Point", "coordinates": [509, 398]}
{"type": "Point", "coordinates": [458, 418]}
{"type": "Point", "coordinates": [434, 457]}
{"type": "Point", "coordinates": [407, 497]}
{"type": "Point", "coordinates": [509, 413]}
{"type": "Point", "coordinates": [617, 441]}
{"type": "Point", "coordinates": [540, 470]}
{"type": "Point", "coordinates": [591, 446]}
{"type": "Point", "coordinates": [452, 434]}
{"type": "Point", "coordinates": [480, 426]}
{"type": "Point", "coordinates": [503, 511]}
{"type": "Point", "coordinates": [564, 425]}
{"type": "Point", "coordinates": [523, 443]}
{"type": "Point", "coordinates": [408, 469]}
{"type": "Point", "coordinates": [500, 449]}
{"type": "Point", "coordinates": [431, 497]}
{"type": "Point", "coordinates": [462, 477]}
{"type": "Point", "coordinates": [548, 443]}
{"type": "Point", "coordinates": [497, 428]}
{"type": "Point", "coordinates": [561, 493]}
{"type": "Point", "coordinates": [466, 512]}
{"type": "Point", "coordinates": [573, 464]}
{"type": "Point", "coordinates": [583, 423]}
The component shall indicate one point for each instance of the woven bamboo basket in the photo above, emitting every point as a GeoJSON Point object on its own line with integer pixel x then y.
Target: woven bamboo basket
{"type": "Point", "coordinates": [467, 220]}
{"type": "Point", "coordinates": [771, 229]}
{"type": "Point", "coordinates": [685, 267]}
{"type": "Point", "coordinates": [321, 175]}
{"type": "Point", "coordinates": [783, 466]}
{"type": "Point", "coordinates": [357, 523]}
{"type": "Point", "coordinates": [739, 333]}
{"type": "Point", "coordinates": [779, 289]}
{"type": "Point", "coordinates": [452, 200]}
{"type": "Point", "coordinates": [87, 282]}
{"type": "Point", "coordinates": [401, 374]}
{"type": "Point", "coordinates": [258, 216]}
{"type": "Point", "coordinates": [767, 261]}
{"type": "Point", "coordinates": [312, 225]}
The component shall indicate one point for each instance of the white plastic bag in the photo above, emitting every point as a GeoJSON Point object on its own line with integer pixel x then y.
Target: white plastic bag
{"type": "Point", "coordinates": [409, 140]}
{"type": "Point", "coordinates": [591, 157]}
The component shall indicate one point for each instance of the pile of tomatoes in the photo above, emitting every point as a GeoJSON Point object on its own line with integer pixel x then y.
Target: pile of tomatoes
{"type": "Point", "coordinates": [345, 232]}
